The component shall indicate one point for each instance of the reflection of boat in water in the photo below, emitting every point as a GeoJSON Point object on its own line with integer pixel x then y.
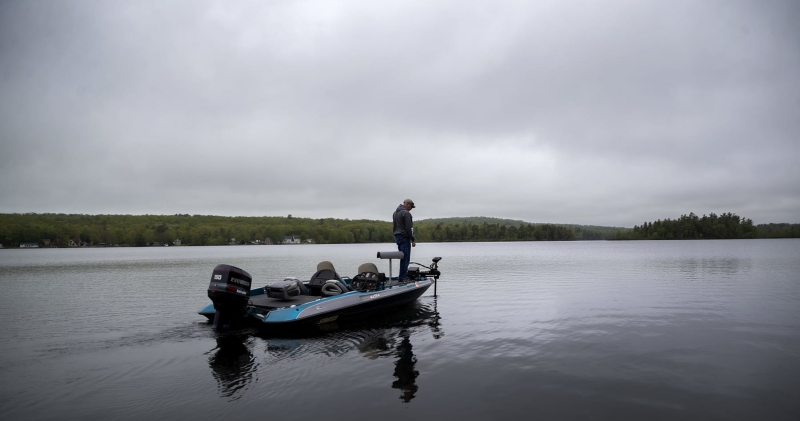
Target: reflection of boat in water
{"type": "Point", "coordinates": [233, 365]}
{"type": "Point", "coordinates": [388, 336]}
{"type": "Point", "coordinates": [386, 345]}
{"type": "Point", "coordinates": [404, 369]}
{"type": "Point", "coordinates": [325, 298]}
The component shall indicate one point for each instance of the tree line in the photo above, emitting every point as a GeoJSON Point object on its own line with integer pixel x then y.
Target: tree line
{"type": "Point", "coordinates": [194, 230]}
{"type": "Point", "coordinates": [59, 230]}
{"type": "Point", "coordinates": [441, 232]}
{"type": "Point", "coordinates": [779, 230]}
{"type": "Point", "coordinates": [692, 227]}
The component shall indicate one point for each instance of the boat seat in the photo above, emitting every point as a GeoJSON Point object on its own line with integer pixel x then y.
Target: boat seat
{"type": "Point", "coordinates": [326, 265]}
{"type": "Point", "coordinates": [333, 287]}
{"type": "Point", "coordinates": [368, 268]}
{"type": "Point", "coordinates": [286, 289]}
{"type": "Point", "coordinates": [325, 272]}
{"type": "Point", "coordinates": [368, 278]}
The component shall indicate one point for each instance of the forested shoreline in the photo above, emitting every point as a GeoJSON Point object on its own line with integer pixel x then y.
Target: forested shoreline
{"type": "Point", "coordinates": [712, 226]}
{"type": "Point", "coordinates": [67, 230]}
{"type": "Point", "coordinates": [62, 230]}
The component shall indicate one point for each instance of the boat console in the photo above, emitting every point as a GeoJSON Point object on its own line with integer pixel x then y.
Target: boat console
{"type": "Point", "coordinates": [368, 281]}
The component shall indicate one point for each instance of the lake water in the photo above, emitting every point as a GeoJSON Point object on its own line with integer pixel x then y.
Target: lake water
{"type": "Point", "coordinates": [690, 330]}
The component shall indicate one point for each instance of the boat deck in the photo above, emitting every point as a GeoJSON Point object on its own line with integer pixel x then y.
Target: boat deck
{"type": "Point", "coordinates": [263, 301]}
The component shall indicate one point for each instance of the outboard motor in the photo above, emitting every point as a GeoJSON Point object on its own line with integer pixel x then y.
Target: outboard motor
{"type": "Point", "coordinates": [229, 290]}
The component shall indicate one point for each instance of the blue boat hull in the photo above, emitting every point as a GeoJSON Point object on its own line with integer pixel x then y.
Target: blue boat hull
{"type": "Point", "coordinates": [338, 308]}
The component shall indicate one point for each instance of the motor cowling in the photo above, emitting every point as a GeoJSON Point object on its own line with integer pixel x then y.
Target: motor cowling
{"type": "Point", "coordinates": [229, 290]}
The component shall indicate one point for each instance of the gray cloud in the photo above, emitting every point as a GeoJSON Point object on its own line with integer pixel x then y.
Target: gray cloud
{"type": "Point", "coordinates": [585, 112]}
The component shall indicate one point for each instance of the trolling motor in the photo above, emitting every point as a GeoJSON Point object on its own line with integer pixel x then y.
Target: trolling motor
{"type": "Point", "coordinates": [432, 272]}
{"type": "Point", "coordinates": [229, 290]}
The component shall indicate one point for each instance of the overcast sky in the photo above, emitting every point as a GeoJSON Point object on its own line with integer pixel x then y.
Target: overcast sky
{"type": "Point", "coordinates": [597, 112]}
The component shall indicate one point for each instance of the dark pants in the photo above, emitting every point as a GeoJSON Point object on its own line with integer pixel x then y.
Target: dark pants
{"type": "Point", "coordinates": [404, 245]}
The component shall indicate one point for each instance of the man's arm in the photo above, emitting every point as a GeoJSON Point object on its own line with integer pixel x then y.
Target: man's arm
{"type": "Point", "coordinates": [409, 223]}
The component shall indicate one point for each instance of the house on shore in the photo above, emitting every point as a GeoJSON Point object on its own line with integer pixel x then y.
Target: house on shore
{"type": "Point", "coordinates": [291, 239]}
{"type": "Point", "coordinates": [177, 242]}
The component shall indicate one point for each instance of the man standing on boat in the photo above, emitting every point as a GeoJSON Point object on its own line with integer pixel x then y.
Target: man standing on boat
{"type": "Point", "coordinates": [403, 230]}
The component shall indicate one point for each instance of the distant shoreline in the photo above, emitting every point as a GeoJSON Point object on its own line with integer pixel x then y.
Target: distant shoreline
{"type": "Point", "coordinates": [75, 231]}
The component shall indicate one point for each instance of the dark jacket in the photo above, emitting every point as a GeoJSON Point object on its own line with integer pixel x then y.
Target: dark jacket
{"type": "Point", "coordinates": [402, 223]}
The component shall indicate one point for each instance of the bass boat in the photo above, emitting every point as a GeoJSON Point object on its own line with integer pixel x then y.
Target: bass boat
{"type": "Point", "coordinates": [325, 298]}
